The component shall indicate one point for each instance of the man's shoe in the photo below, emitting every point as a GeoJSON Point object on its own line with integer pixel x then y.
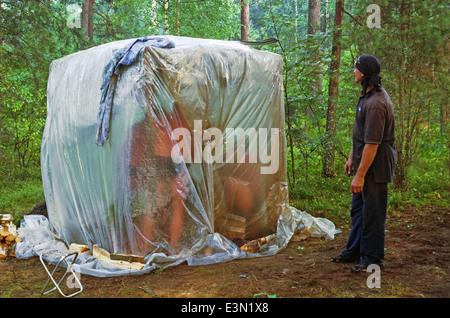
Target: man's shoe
{"type": "Point", "coordinates": [341, 259]}
{"type": "Point", "coordinates": [362, 267]}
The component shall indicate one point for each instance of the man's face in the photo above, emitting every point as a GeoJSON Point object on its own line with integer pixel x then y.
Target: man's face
{"type": "Point", "coordinates": [358, 75]}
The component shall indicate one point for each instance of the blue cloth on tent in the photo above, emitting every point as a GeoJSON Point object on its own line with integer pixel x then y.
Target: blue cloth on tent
{"type": "Point", "coordinates": [123, 57]}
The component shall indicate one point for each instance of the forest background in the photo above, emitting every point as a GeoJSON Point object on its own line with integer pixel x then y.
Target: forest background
{"type": "Point", "coordinates": [318, 40]}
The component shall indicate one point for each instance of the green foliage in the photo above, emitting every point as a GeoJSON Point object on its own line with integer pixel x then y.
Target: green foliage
{"type": "Point", "coordinates": [20, 189]}
{"type": "Point", "coordinates": [411, 49]}
{"type": "Point", "coordinates": [33, 34]}
{"type": "Point", "coordinates": [217, 19]}
{"type": "Point", "coordinates": [23, 119]}
{"type": "Point", "coordinates": [324, 197]}
{"type": "Point", "coordinates": [304, 56]}
{"type": "Point", "coordinates": [410, 45]}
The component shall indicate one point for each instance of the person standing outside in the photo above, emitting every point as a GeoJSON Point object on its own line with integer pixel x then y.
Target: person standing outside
{"type": "Point", "coordinates": [372, 161]}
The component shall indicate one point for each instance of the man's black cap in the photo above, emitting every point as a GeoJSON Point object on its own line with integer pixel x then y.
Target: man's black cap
{"type": "Point", "coordinates": [368, 65]}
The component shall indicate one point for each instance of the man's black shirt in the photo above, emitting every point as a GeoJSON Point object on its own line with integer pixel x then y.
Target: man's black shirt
{"type": "Point", "coordinates": [374, 124]}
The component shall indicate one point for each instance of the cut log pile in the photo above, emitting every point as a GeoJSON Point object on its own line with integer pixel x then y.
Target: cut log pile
{"type": "Point", "coordinates": [255, 245]}
{"type": "Point", "coordinates": [127, 261]}
{"type": "Point", "coordinates": [8, 236]}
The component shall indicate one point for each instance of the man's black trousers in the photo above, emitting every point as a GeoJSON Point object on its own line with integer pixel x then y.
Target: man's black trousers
{"type": "Point", "coordinates": [368, 215]}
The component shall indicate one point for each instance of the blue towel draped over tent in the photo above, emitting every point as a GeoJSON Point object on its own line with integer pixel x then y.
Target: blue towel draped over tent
{"type": "Point", "coordinates": [123, 57]}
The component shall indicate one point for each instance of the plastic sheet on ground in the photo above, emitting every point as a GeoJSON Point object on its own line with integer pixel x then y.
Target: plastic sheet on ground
{"type": "Point", "coordinates": [192, 165]}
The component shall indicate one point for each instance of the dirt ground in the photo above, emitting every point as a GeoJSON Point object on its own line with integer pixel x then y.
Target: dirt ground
{"type": "Point", "coordinates": [417, 266]}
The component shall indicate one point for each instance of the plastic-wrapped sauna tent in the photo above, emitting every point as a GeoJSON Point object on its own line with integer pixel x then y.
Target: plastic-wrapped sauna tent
{"type": "Point", "coordinates": [161, 150]}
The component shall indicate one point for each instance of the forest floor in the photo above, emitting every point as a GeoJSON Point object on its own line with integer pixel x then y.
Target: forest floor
{"type": "Point", "coordinates": [417, 266]}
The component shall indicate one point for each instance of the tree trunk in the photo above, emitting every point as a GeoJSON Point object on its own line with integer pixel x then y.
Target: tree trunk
{"type": "Point", "coordinates": [326, 19]}
{"type": "Point", "coordinates": [333, 89]}
{"type": "Point", "coordinates": [291, 144]}
{"type": "Point", "coordinates": [313, 28]}
{"type": "Point", "coordinates": [88, 19]}
{"type": "Point", "coordinates": [1, 80]}
{"type": "Point", "coordinates": [313, 16]}
{"type": "Point", "coordinates": [178, 17]}
{"type": "Point", "coordinates": [166, 16]}
{"type": "Point", "coordinates": [401, 125]}
{"type": "Point", "coordinates": [245, 20]}
{"type": "Point", "coordinates": [296, 22]}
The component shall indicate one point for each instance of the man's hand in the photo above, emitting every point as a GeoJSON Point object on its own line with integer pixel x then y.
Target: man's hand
{"type": "Point", "coordinates": [357, 184]}
{"type": "Point", "coordinates": [369, 153]}
{"type": "Point", "coordinates": [348, 168]}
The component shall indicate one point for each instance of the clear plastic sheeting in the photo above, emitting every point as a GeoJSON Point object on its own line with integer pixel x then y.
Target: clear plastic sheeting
{"type": "Point", "coordinates": [33, 231]}
{"type": "Point", "coordinates": [194, 164]}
